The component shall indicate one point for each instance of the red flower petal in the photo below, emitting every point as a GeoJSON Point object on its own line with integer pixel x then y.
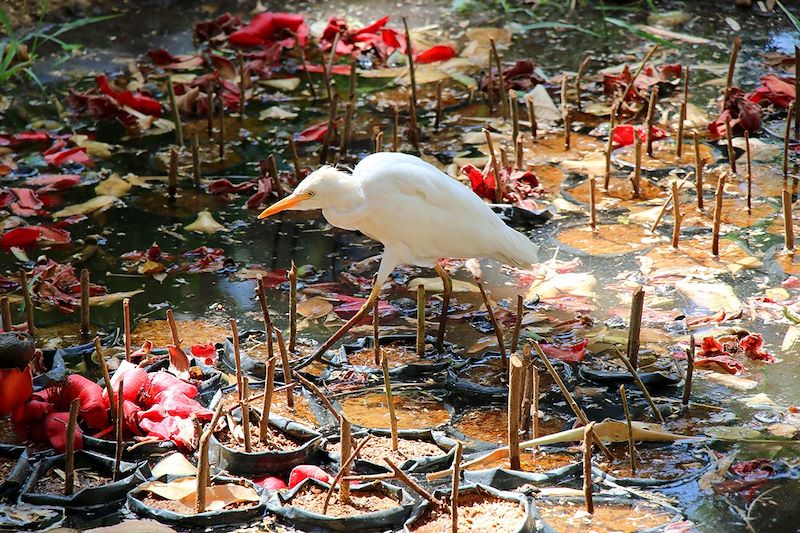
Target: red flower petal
{"type": "Point", "coordinates": [440, 52]}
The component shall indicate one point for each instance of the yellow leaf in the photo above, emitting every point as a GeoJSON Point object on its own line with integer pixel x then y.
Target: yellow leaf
{"type": "Point", "coordinates": [113, 186]}
{"type": "Point", "coordinates": [314, 307]}
{"type": "Point", "coordinates": [97, 204]}
{"type": "Point", "coordinates": [205, 223]}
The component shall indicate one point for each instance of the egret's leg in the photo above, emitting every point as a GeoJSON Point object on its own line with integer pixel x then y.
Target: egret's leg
{"type": "Point", "coordinates": [387, 265]}
{"type": "Point", "coordinates": [447, 284]}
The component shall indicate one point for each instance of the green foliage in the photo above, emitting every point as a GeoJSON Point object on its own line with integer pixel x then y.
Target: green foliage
{"type": "Point", "coordinates": [793, 19]}
{"type": "Point", "coordinates": [18, 52]}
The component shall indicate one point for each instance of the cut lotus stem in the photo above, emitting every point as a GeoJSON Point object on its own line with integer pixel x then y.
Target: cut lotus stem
{"type": "Point", "coordinates": [519, 154]}
{"type": "Point", "coordinates": [717, 215]}
{"type": "Point", "coordinates": [409, 482]}
{"type": "Point", "coordinates": [532, 117]}
{"type": "Point", "coordinates": [209, 107]}
{"type": "Point", "coordinates": [797, 89]}
{"type": "Point", "coordinates": [679, 135]}
{"type": "Point", "coordinates": [237, 357]}
{"type": "Point", "coordinates": [676, 214]}
{"type": "Point", "coordinates": [261, 292]}
{"type": "Point", "coordinates": [344, 142]}
{"type": "Point", "coordinates": [287, 374]}
{"type": "Point", "coordinates": [298, 171]}
{"type": "Point", "coordinates": [387, 385]}
{"type": "Point", "coordinates": [635, 325]}
{"type": "Point", "coordinates": [172, 176]}
{"type": "Point", "coordinates": [244, 406]}
{"type": "Point", "coordinates": [516, 380]}
{"type": "Point", "coordinates": [749, 171]}
{"type": "Point", "coordinates": [272, 165]}
{"type": "Point", "coordinates": [378, 136]}
{"type": "Point", "coordinates": [411, 69]}
{"type": "Point", "coordinates": [651, 116]}
{"type": "Point", "coordinates": [565, 112]}
{"type": "Point", "coordinates": [413, 125]}
{"type": "Point", "coordinates": [5, 308]}
{"type": "Point", "coordinates": [447, 290]}
{"type": "Point", "coordinates": [395, 128]}
{"type": "Point", "coordinates": [504, 158]}
{"type": "Point", "coordinates": [456, 480]}
{"type": "Point", "coordinates": [698, 170]}
{"type": "Point", "coordinates": [119, 427]}
{"type": "Point", "coordinates": [69, 450]}
{"type": "Point", "coordinates": [497, 331]}
{"type": "Point", "coordinates": [196, 173]}
{"type": "Point", "coordinates": [242, 84]}
{"type": "Point", "coordinates": [438, 120]}
{"type": "Point", "coordinates": [221, 137]}
{"type": "Point", "coordinates": [729, 143]}
{"type": "Point", "coordinates": [636, 177]}
{"type": "Point", "coordinates": [629, 86]}
{"type": "Point", "coordinates": [85, 303]}
{"type": "Point", "coordinates": [319, 394]}
{"type": "Point", "coordinates": [592, 203]}
{"type": "Point", "coordinates": [514, 111]}
{"type": "Point", "coordinates": [517, 324]}
{"type": "Point", "coordinates": [686, 77]}
{"type": "Point", "coordinates": [309, 80]}
{"type": "Point", "coordinates": [687, 382]}
{"type": "Point", "coordinates": [666, 204]}
{"type": "Point", "coordinates": [631, 441]}
{"type": "Point", "coordinates": [203, 467]}
{"type": "Point", "coordinates": [329, 132]}
{"type": "Point", "coordinates": [26, 298]}
{"type": "Point", "coordinates": [101, 359]}
{"type": "Point", "coordinates": [498, 63]}
{"type": "Point", "coordinates": [176, 113]}
{"type": "Point", "coordinates": [640, 384]}
{"type": "Point", "coordinates": [527, 392]}
{"type": "Point", "coordinates": [266, 404]}
{"type": "Point", "coordinates": [578, 79]}
{"type": "Point", "coordinates": [420, 320]}
{"type": "Point", "coordinates": [345, 449]}
{"type": "Point", "coordinates": [609, 149]}
{"type": "Point", "coordinates": [737, 43]}
{"type": "Point", "coordinates": [345, 468]}
{"type": "Point", "coordinates": [588, 436]}
{"type": "Point", "coordinates": [292, 275]}
{"type": "Point", "coordinates": [535, 399]}
{"type": "Point", "coordinates": [786, 136]}
{"type": "Point", "coordinates": [328, 70]}
{"type": "Point", "coordinates": [788, 228]}
{"type": "Point", "coordinates": [581, 416]}
{"type": "Point", "coordinates": [498, 191]}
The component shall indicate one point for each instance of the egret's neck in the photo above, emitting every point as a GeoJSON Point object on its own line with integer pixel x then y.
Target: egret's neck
{"type": "Point", "coordinates": [343, 203]}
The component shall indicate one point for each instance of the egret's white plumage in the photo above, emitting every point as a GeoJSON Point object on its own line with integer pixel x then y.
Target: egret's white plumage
{"type": "Point", "coordinates": [418, 212]}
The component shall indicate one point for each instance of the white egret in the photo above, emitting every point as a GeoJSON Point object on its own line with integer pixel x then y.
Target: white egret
{"type": "Point", "coordinates": [416, 211]}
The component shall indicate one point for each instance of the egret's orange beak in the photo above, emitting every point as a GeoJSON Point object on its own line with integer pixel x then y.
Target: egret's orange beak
{"type": "Point", "coordinates": [282, 205]}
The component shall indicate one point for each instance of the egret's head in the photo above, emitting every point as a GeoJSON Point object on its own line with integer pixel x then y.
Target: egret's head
{"type": "Point", "coordinates": [319, 190]}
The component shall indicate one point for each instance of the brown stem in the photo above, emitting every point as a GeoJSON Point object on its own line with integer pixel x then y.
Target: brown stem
{"type": "Point", "coordinates": [438, 119]}
{"type": "Point", "coordinates": [319, 394]}
{"type": "Point", "coordinates": [588, 436]}
{"type": "Point", "coordinates": [172, 176]}
{"type": "Point", "coordinates": [298, 170]}
{"type": "Point", "coordinates": [498, 62]}
{"type": "Point", "coordinates": [454, 487]}
{"type": "Point", "coordinates": [344, 467]}
{"type": "Point", "coordinates": [565, 113]}
{"type": "Point", "coordinates": [749, 172]}
{"type": "Point", "coordinates": [196, 172]}
{"type": "Point", "coordinates": [679, 135]}
{"type": "Point", "coordinates": [237, 357]}
{"type": "Point", "coordinates": [266, 405]}
{"type": "Point", "coordinates": [287, 374]}
{"type": "Point", "coordinates": [119, 427]}
{"type": "Point", "coordinates": [497, 331]}
{"type": "Point", "coordinates": [629, 86]}
{"type": "Point", "coordinates": [515, 383]}
{"type": "Point", "coordinates": [592, 203]}
{"type": "Point", "coordinates": [5, 309]}
{"type": "Point", "coordinates": [26, 297]}
{"type": "Point", "coordinates": [737, 43]}
{"type": "Point", "coordinates": [641, 386]}
{"type": "Point", "coordinates": [514, 112]}
{"type": "Point", "coordinates": [292, 275]}
{"type": "Point", "coordinates": [395, 128]}
{"type": "Point", "coordinates": [347, 130]}
{"type": "Point", "coordinates": [326, 143]}
{"type": "Point", "coordinates": [411, 69]}
{"type": "Point", "coordinates": [69, 451]}
{"type": "Point", "coordinates": [410, 483]}
{"type": "Point", "coordinates": [203, 467]}
{"type": "Point", "coordinates": [176, 113]}
{"type": "Point", "coordinates": [519, 154]}
{"type": "Point", "coordinates": [676, 214]}
{"type": "Point", "coordinates": [665, 205]}
{"type": "Point", "coordinates": [447, 289]}
{"type": "Point", "coordinates": [532, 117]}
{"type": "Point", "coordinates": [635, 325]}
{"type": "Point", "coordinates": [272, 164]}
{"type": "Point", "coordinates": [209, 107]}
{"type": "Point", "coordinates": [101, 359]}
{"type": "Point", "coordinates": [651, 116]}
{"type": "Point", "coordinates": [517, 324]}
{"type": "Point", "coordinates": [308, 74]}
{"type": "Point", "coordinates": [729, 143]}
{"type": "Point", "coordinates": [636, 178]}
{"type": "Point", "coordinates": [244, 406]}
{"type": "Point", "coordinates": [420, 320]}
{"type": "Point", "coordinates": [786, 136]}
{"type": "Point", "coordinates": [797, 89]}
{"type": "Point", "coordinates": [631, 442]}
{"type": "Point", "coordinates": [609, 149]}
{"type": "Point", "coordinates": [687, 384]}
{"type": "Point", "coordinates": [788, 228]}
{"type": "Point", "coordinates": [413, 126]}
{"type": "Point", "coordinates": [578, 78]}
{"type": "Point", "coordinates": [498, 190]}
{"type": "Point", "coordinates": [717, 215]}
{"type": "Point", "coordinates": [698, 170]}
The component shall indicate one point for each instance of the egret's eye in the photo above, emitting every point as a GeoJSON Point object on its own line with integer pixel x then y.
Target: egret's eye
{"type": "Point", "coordinates": [311, 194]}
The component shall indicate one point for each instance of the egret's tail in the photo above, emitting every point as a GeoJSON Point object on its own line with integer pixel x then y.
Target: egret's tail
{"type": "Point", "coordinates": [517, 250]}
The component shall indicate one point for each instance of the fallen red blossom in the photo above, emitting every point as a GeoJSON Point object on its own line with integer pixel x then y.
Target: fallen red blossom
{"type": "Point", "coordinates": [774, 89]}
{"type": "Point", "coordinates": [284, 29]}
{"type": "Point", "coordinates": [58, 154]}
{"type": "Point", "coordinates": [53, 182]}
{"type": "Point", "coordinates": [753, 348]}
{"type": "Point", "coordinates": [216, 28]}
{"type": "Point", "coordinates": [314, 133]}
{"type": "Point", "coordinates": [206, 353]}
{"type": "Point", "coordinates": [743, 115]}
{"type": "Point", "coordinates": [166, 60]}
{"type": "Point", "coordinates": [17, 139]}
{"type": "Point", "coordinates": [224, 186]}
{"type": "Point", "coordinates": [302, 472]}
{"type": "Point", "coordinates": [614, 84]}
{"type": "Point", "coordinates": [574, 353]}
{"type": "Point", "coordinates": [439, 52]}
{"type": "Point", "coordinates": [56, 284]}
{"type": "Point", "coordinates": [519, 185]}
{"type": "Point", "coordinates": [31, 236]}
{"type": "Point", "coordinates": [623, 134]}
{"type": "Point", "coordinates": [711, 347]}
{"type": "Point", "coordinates": [522, 76]}
{"type": "Point", "coordinates": [720, 363]}
{"type": "Point", "coordinates": [341, 70]}
{"type": "Point", "coordinates": [376, 37]}
{"type": "Point", "coordinates": [138, 101]}
{"type": "Point", "coordinates": [263, 191]}
{"type": "Point", "coordinates": [16, 386]}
